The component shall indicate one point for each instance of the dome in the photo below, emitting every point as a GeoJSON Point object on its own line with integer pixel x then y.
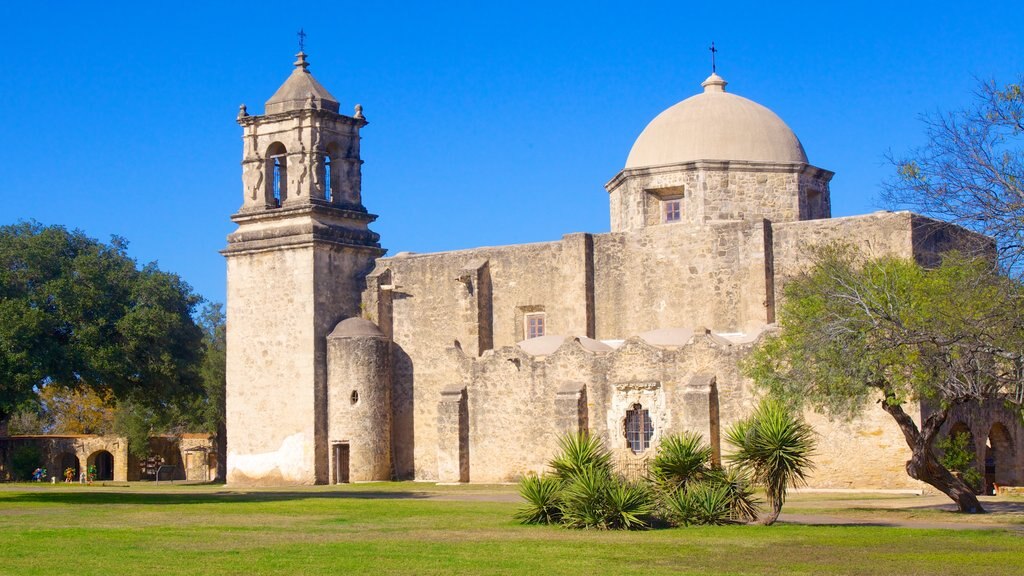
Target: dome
{"type": "Point", "coordinates": [715, 125]}
{"type": "Point", "coordinates": [356, 328]}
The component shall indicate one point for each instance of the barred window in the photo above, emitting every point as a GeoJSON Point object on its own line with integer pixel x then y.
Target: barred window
{"type": "Point", "coordinates": [639, 429]}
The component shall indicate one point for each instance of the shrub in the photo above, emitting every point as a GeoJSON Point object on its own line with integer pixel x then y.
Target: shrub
{"type": "Point", "coordinates": [680, 459]}
{"type": "Point", "coordinates": [543, 503]}
{"type": "Point", "coordinates": [580, 452]}
{"type": "Point", "coordinates": [774, 446]}
{"type": "Point", "coordinates": [24, 460]}
{"type": "Point", "coordinates": [958, 457]}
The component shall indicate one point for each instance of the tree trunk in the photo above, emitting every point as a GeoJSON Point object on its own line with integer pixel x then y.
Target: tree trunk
{"type": "Point", "coordinates": [923, 465]}
{"type": "Point", "coordinates": [770, 518]}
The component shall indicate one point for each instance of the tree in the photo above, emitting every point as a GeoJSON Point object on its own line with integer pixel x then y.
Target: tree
{"type": "Point", "coordinates": [971, 171]}
{"type": "Point", "coordinates": [214, 376]}
{"type": "Point", "coordinates": [75, 312]}
{"type": "Point", "coordinates": [775, 446]}
{"type": "Point", "coordinates": [887, 332]}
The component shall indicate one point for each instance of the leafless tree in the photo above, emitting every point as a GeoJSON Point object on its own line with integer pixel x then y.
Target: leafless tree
{"type": "Point", "coordinates": [971, 171]}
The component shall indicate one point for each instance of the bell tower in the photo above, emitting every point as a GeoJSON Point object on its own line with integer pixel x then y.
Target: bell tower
{"type": "Point", "coordinates": [296, 267]}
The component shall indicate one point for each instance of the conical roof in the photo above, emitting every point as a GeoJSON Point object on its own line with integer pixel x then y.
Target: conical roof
{"type": "Point", "coordinates": [301, 91]}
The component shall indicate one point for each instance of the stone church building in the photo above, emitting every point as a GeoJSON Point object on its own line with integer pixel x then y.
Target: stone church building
{"type": "Point", "coordinates": [466, 366]}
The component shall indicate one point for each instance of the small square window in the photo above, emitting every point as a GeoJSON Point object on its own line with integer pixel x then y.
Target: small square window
{"type": "Point", "coordinates": [534, 325]}
{"type": "Point", "coordinates": [672, 210]}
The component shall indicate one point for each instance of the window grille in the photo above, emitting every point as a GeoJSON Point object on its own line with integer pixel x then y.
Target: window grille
{"type": "Point", "coordinates": [639, 429]}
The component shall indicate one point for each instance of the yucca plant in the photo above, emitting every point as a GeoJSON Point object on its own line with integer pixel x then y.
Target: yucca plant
{"type": "Point", "coordinates": [629, 503]}
{"type": "Point", "coordinates": [594, 498]}
{"type": "Point", "coordinates": [580, 452]}
{"type": "Point", "coordinates": [584, 499]}
{"type": "Point", "coordinates": [681, 458]}
{"type": "Point", "coordinates": [743, 501]}
{"type": "Point", "coordinates": [775, 446]}
{"type": "Point", "coordinates": [543, 500]}
{"type": "Point", "coordinates": [709, 503]}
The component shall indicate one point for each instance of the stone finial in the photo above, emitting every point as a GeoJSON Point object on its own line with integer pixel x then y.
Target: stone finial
{"type": "Point", "coordinates": [714, 83]}
{"type": "Point", "coordinates": [301, 61]}
{"type": "Point", "coordinates": [242, 112]}
{"type": "Point", "coordinates": [359, 112]}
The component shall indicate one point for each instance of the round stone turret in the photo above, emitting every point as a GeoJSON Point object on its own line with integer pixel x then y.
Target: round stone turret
{"type": "Point", "coordinates": [359, 402]}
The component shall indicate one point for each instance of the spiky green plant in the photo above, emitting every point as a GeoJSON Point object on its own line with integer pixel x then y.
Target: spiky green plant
{"type": "Point", "coordinates": [584, 501]}
{"type": "Point", "coordinates": [594, 498]}
{"type": "Point", "coordinates": [709, 503]}
{"type": "Point", "coordinates": [743, 501]}
{"type": "Point", "coordinates": [543, 500]}
{"type": "Point", "coordinates": [775, 446]}
{"type": "Point", "coordinates": [628, 504]}
{"type": "Point", "coordinates": [681, 458]}
{"type": "Point", "coordinates": [580, 452]}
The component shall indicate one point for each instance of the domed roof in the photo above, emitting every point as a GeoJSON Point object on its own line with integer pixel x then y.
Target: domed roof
{"type": "Point", "coordinates": [715, 125]}
{"type": "Point", "coordinates": [356, 328]}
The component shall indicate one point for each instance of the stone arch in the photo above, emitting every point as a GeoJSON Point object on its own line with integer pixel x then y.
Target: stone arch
{"type": "Point", "coordinates": [68, 460]}
{"type": "Point", "coordinates": [276, 171]}
{"type": "Point", "coordinates": [332, 173]}
{"type": "Point", "coordinates": [999, 458]}
{"type": "Point", "coordinates": [104, 463]}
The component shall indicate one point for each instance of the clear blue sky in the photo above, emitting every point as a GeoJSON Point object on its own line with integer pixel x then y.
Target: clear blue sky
{"type": "Point", "coordinates": [489, 125]}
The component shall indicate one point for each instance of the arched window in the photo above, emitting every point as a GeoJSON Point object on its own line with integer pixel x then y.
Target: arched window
{"type": "Point", "coordinates": [277, 170]}
{"type": "Point", "coordinates": [639, 429]}
{"type": "Point", "coordinates": [328, 177]}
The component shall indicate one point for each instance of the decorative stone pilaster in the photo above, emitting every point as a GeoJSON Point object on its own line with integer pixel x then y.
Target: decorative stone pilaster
{"type": "Point", "coordinates": [700, 411]}
{"type": "Point", "coordinates": [571, 409]}
{"type": "Point", "coordinates": [453, 436]}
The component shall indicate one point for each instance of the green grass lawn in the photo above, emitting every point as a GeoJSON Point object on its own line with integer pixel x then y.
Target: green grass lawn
{"type": "Point", "coordinates": [407, 529]}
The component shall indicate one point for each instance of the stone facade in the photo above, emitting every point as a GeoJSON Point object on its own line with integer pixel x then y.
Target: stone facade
{"type": "Point", "coordinates": [467, 366]}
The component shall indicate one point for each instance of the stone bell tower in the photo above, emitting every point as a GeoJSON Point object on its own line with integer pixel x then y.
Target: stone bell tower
{"type": "Point", "coordinates": [296, 265]}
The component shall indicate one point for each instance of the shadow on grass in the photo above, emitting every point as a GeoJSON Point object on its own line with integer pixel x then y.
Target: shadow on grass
{"type": "Point", "coordinates": [129, 498]}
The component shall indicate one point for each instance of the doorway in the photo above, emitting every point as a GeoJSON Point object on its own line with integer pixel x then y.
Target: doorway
{"type": "Point", "coordinates": [341, 463]}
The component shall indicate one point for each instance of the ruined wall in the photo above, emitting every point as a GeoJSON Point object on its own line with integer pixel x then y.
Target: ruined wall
{"type": "Point", "coordinates": [515, 398]}
{"type": "Point", "coordinates": [76, 451]}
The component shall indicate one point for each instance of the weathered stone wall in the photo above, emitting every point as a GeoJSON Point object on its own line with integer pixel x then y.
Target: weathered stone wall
{"type": "Point", "coordinates": [711, 275]}
{"type": "Point", "coordinates": [359, 405]}
{"type": "Point", "coordinates": [270, 368]}
{"type": "Point", "coordinates": [712, 191]}
{"type": "Point", "coordinates": [435, 302]}
{"type": "Point", "coordinates": [513, 397]}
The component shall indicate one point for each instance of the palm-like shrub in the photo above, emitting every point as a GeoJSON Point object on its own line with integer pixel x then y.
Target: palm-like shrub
{"type": "Point", "coordinates": [543, 501]}
{"type": "Point", "coordinates": [775, 446]}
{"type": "Point", "coordinates": [744, 504]}
{"type": "Point", "coordinates": [709, 503]}
{"type": "Point", "coordinates": [583, 492]}
{"type": "Point", "coordinates": [580, 452]}
{"type": "Point", "coordinates": [680, 459]}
